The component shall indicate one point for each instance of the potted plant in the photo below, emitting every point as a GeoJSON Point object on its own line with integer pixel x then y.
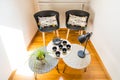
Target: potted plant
{"type": "Point", "coordinates": [39, 54]}
{"type": "Point", "coordinates": [37, 59]}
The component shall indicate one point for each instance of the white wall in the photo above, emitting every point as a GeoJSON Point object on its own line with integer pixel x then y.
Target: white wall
{"type": "Point", "coordinates": [20, 13]}
{"type": "Point", "coordinates": [17, 27]}
{"type": "Point", "coordinates": [106, 34]}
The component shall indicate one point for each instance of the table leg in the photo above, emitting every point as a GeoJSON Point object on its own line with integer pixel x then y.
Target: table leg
{"type": "Point", "coordinates": [35, 75]}
{"type": "Point", "coordinates": [65, 66]}
{"type": "Point", "coordinates": [57, 69]}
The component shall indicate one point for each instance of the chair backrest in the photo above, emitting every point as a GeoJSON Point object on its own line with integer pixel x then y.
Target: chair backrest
{"type": "Point", "coordinates": [47, 13]}
{"type": "Point", "coordinates": [79, 13]}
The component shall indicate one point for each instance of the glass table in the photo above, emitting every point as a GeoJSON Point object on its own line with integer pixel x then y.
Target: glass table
{"type": "Point", "coordinates": [38, 67]}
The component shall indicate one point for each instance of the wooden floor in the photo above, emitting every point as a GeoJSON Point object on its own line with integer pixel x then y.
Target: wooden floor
{"type": "Point", "coordinates": [95, 70]}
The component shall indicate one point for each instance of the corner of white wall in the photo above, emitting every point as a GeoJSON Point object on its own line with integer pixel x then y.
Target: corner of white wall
{"type": "Point", "coordinates": [105, 34]}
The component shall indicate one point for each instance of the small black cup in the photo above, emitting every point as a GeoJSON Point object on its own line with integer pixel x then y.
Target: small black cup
{"type": "Point", "coordinates": [54, 48]}
{"type": "Point", "coordinates": [64, 50]}
{"type": "Point", "coordinates": [64, 42]}
{"type": "Point", "coordinates": [60, 46]}
{"type": "Point", "coordinates": [68, 46]}
{"type": "Point", "coordinates": [57, 53]}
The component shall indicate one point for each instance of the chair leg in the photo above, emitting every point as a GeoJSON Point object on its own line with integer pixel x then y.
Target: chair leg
{"type": "Point", "coordinates": [67, 33]}
{"type": "Point", "coordinates": [85, 69]}
{"type": "Point", "coordinates": [79, 33]}
{"type": "Point", "coordinates": [54, 32]}
{"type": "Point", "coordinates": [57, 33]}
{"type": "Point", "coordinates": [43, 35]}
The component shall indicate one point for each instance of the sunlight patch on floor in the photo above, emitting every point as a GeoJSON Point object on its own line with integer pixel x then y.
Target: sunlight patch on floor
{"type": "Point", "coordinates": [61, 78]}
{"type": "Point", "coordinates": [14, 45]}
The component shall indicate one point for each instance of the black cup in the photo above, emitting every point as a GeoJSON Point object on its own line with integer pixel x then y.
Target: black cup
{"type": "Point", "coordinates": [54, 48]}
{"type": "Point", "coordinates": [60, 46]}
{"type": "Point", "coordinates": [64, 50]}
{"type": "Point", "coordinates": [68, 46]}
{"type": "Point", "coordinates": [57, 53]}
{"type": "Point", "coordinates": [64, 42]}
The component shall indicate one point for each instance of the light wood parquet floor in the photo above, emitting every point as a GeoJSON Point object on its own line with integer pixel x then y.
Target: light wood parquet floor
{"type": "Point", "coordinates": [95, 70]}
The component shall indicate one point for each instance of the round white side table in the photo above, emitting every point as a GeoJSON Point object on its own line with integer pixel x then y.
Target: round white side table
{"type": "Point", "coordinates": [74, 61]}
